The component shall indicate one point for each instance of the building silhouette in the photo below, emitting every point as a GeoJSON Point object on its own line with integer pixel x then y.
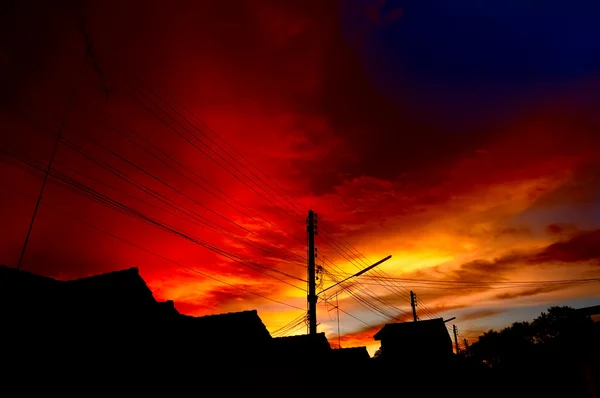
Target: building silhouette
{"type": "Point", "coordinates": [422, 341]}
{"type": "Point", "coordinates": [108, 331]}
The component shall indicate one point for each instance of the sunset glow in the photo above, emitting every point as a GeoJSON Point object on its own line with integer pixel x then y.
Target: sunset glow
{"type": "Point", "coordinates": [473, 187]}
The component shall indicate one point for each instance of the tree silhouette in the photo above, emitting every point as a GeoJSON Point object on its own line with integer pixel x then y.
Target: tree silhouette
{"type": "Point", "coordinates": [549, 355]}
{"type": "Point", "coordinates": [562, 331]}
{"type": "Point", "coordinates": [378, 354]}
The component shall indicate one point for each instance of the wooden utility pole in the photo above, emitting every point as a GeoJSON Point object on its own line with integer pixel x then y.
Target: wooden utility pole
{"type": "Point", "coordinates": [337, 309]}
{"type": "Point", "coordinates": [413, 304]}
{"type": "Point", "coordinates": [466, 345]}
{"type": "Point", "coordinates": [311, 231]}
{"type": "Point", "coordinates": [455, 329]}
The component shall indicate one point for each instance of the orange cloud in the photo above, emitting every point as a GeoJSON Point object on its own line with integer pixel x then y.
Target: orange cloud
{"type": "Point", "coordinates": [510, 201]}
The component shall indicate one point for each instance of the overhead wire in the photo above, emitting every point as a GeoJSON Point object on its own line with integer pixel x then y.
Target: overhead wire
{"type": "Point", "coordinates": [184, 118]}
{"type": "Point", "coordinates": [151, 111]}
{"type": "Point", "coordinates": [221, 216]}
{"type": "Point", "coordinates": [155, 194]}
{"type": "Point", "coordinates": [253, 218]}
{"type": "Point", "coordinates": [96, 196]}
{"type": "Point", "coordinates": [206, 275]}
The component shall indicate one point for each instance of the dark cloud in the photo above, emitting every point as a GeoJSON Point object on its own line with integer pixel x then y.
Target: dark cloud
{"type": "Point", "coordinates": [514, 232]}
{"type": "Point", "coordinates": [482, 270]}
{"type": "Point", "coordinates": [227, 295]}
{"type": "Point", "coordinates": [555, 229]}
{"type": "Point", "coordinates": [483, 313]}
{"type": "Point", "coordinates": [530, 292]}
{"type": "Point", "coordinates": [581, 247]}
{"type": "Point", "coordinates": [584, 246]}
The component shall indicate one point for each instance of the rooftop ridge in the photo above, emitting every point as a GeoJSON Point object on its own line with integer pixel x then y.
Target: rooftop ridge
{"type": "Point", "coordinates": [132, 270]}
{"type": "Point", "coordinates": [301, 335]}
{"type": "Point", "coordinates": [417, 322]}
{"type": "Point", "coordinates": [248, 312]}
{"type": "Point", "coordinates": [352, 348]}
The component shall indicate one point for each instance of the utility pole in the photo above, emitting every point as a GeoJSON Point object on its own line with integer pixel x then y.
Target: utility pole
{"type": "Point", "coordinates": [413, 304]}
{"type": "Point", "coordinates": [455, 329]}
{"type": "Point", "coordinates": [337, 310]}
{"type": "Point", "coordinates": [311, 231]}
{"type": "Point", "coordinates": [466, 345]}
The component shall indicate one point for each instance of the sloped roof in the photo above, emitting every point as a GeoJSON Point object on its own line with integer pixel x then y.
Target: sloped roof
{"type": "Point", "coordinates": [10, 277]}
{"type": "Point", "coordinates": [122, 281]}
{"type": "Point", "coordinates": [245, 325]}
{"type": "Point", "coordinates": [589, 311]}
{"type": "Point", "coordinates": [123, 291]}
{"type": "Point", "coordinates": [425, 328]}
{"type": "Point", "coordinates": [24, 293]}
{"type": "Point", "coordinates": [350, 354]}
{"type": "Point", "coordinates": [302, 342]}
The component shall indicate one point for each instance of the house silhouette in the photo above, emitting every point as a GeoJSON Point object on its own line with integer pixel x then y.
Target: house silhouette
{"type": "Point", "coordinates": [300, 349]}
{"type": "Point", "coordinates": [109, 331]}
{"type": "Point", "coordinates": [350, 356]}
{"type": "Point", "coordinates": [420, 341]}
{"type": "Point", "coordinates": [114, 317]}
{"type": "Point", "coordinates": [593, 312]}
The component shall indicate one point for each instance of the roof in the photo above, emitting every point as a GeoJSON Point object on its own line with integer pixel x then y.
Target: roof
{"type": "Point", "coordinates": [302, 342]}
{"type": "Point", "coordinates": [350, 354]}
{"type": "Point", "coordinates": [11, 277]}
{"type": "Point", "coordinates": [122, 281]}
{"type": "Point", "coordinates": [245, 325]}
{"type": "Point", "coordinates": [123, 292]}
{"type": "Point", "coordinates": [22, 292]}
{"type": "Point", "coordinates": [425, 328]}
{"type": "Point", "coordinates": [589, 311]}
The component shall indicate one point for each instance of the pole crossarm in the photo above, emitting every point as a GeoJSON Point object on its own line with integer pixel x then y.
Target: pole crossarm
{"type": "Point", "coordinates": [370, 267]}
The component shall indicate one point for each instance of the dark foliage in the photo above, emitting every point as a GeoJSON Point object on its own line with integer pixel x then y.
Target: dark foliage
{"type": "Point", "coordinates": [556, 353]}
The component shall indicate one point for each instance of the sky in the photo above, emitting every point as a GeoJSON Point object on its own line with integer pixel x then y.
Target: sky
{"type": "Point", "coordinates": [459, 137]}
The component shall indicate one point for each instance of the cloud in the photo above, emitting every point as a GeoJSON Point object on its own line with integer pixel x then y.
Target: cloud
{"type": "Point", "coordinates": [580, 247]}
{"type": "Point", "coordinates": [530, 292]}
{"type": "Point", "coordinates": [281, 82]}
{"type": "Point", "coordinates": [478, 314]}
{"type": "Point", "coordinates": [514, 232]}
{"type": "Point", "coordinates": [485, 270]}
{"type": "Point", "coordinates": [555, 229]}
{"type": "Point", "coordinates": [584, 246]}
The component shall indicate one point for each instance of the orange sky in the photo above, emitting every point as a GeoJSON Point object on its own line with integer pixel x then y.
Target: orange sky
{"type": "Point", "coordinates": [511, 199]}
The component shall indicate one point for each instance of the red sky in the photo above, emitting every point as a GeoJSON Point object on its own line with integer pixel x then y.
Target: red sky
{"type": "Point", "coordinates": [511, 196]}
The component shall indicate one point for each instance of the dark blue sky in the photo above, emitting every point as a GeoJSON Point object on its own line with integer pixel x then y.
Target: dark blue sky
{"type": "Point", "coordinates": [488, 56]}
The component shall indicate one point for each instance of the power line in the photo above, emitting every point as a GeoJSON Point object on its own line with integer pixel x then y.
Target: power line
{"type": "Point", "coordinates": [350, 285]}
{"type": "Point", "coordinates": [90, 193]}
{"type": "Point", "coordinates": [203, 151]}
{"type": "Point", "coordinates": [204, 181]}
{"type": "Point", "coordinates": [156, 254]}
{"type": "Point", "coordinates": [195, 127]}
{"type": "Point", "coordinates": [483, 282]}
{"type": "Point", "coordinates": [147, 190]}
{"type": "Point", "coordinates": [221, 216]}
{"type": "Point", "coordinates": [70, 101]}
